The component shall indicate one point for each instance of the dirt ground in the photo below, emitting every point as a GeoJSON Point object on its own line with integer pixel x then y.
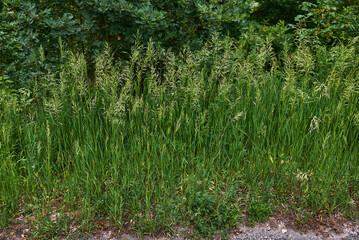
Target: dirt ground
{"type": "Point", "coordinates": [276, 228]}
{"type": "Point", "coordinates": [280, 226]}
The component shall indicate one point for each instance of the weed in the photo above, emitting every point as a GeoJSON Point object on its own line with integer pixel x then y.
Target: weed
{"type": "Point", "coordinates": [259, 211]}
{"type": "Point", "coordinates": [213, 215]}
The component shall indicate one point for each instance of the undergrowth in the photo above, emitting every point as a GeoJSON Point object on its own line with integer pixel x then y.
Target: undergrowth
{"type": "Point", "coordinates": [166, 139]}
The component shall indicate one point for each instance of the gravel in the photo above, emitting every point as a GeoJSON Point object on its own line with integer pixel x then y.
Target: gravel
{"type": "Point", "coordinates": [258, 232]}
{"type": "Point", "coordinates": [262, 231]}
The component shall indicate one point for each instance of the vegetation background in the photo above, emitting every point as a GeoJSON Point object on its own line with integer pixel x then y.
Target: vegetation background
{"type": "Point", "coordinates": [148, 114]}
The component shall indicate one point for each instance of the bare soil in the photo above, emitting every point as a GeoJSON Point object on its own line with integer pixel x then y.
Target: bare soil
{"type": "Point", "coordinates": [279, 226]}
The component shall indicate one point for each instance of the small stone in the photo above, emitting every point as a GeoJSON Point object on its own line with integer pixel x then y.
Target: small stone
{"type": "Point", "coordinates": [268, 227]}
{"type": "Point", "coordinates": [284, 230]}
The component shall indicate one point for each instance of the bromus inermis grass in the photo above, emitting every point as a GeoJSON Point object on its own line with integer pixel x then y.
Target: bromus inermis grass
{"type": "Point", "coordinates": [161, 137]}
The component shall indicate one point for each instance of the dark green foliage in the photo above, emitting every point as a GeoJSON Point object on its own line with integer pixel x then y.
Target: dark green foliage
{"type": "Point", "coordinates": [272, 11]}
{"type": "Point", "coordinates": [330, 21]}
{"type": "Point", "coordinates": [88, 25]}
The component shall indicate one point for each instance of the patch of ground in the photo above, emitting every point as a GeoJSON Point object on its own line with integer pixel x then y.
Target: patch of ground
{"type": "Point", "coordinates": [280, 225]}
{"type": "Point", "coordinates": [277, 228]}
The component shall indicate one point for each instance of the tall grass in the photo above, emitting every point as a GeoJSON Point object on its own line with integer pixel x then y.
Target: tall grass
{"type": "Point", "coordinates": [160, 132]}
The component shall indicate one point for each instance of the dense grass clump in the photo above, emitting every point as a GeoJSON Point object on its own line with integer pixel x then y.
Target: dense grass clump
{"type": "Point", "coordinates": [165, 139]}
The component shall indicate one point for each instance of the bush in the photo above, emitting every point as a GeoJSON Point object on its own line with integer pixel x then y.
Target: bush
{"type": "Point", "coordinates": [86, 26]}
{"type": "Point", "coordinates": [330, 21]}
{"type": "Point", "coordinates": [273, 11]}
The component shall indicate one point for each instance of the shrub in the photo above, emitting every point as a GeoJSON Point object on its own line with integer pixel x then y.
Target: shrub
{"type": "Point", "coordinates": [330, 21]}
{"type": "Point", "coordinates": [86, 26]}
{"type": "Point", "coordinates": [273, 11]}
